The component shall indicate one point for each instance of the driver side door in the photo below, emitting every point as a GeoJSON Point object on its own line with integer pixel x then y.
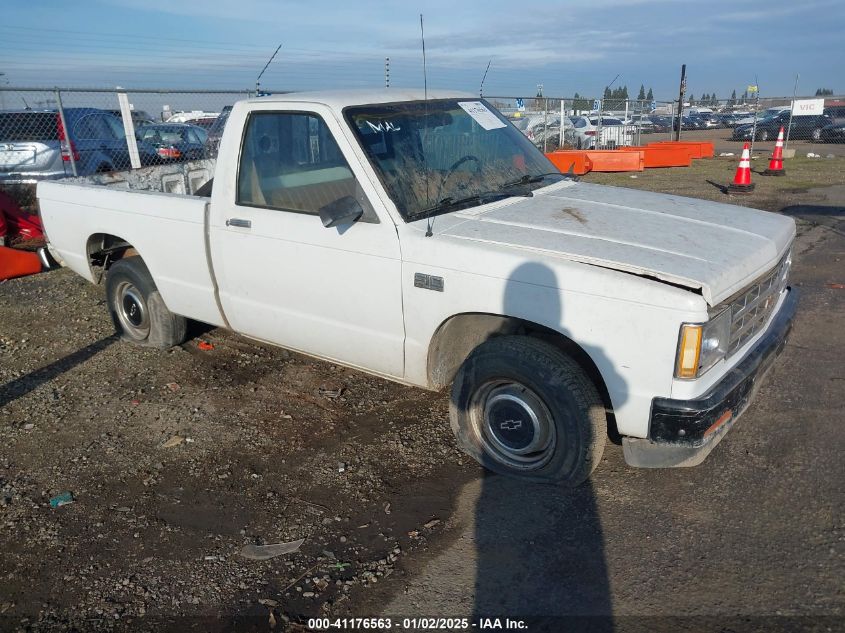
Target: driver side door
{"type": "Point", "coordinates": [285, 278]}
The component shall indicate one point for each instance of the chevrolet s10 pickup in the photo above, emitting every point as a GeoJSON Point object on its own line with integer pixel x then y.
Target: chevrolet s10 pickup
{"type": "Point", "coordinates": [422, 238]}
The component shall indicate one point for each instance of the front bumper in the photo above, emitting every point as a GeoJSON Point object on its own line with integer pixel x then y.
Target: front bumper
{"type": "Point", "coordinates": [683, 432]}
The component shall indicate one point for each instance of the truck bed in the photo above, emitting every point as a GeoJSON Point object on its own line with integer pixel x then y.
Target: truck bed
{"type": "Point", "coordinates": [153, 211]}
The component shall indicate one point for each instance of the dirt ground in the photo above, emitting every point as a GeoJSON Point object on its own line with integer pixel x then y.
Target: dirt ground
{"type": "Point", "coordinates": [176, 460]}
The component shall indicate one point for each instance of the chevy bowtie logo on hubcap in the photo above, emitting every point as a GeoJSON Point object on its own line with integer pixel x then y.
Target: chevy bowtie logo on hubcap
{"type": "Point", "coordinates": [511, 425]}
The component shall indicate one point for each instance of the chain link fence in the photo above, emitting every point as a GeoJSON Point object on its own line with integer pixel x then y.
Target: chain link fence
{"type": "Point", "coordinates": [59, 133]}
{"type": "Point", "coordinates": [574, 123]}
{"type": "Point", "coordinates": [48, 133]}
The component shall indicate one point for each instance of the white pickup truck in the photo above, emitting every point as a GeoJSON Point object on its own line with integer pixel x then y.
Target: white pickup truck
{"type": "Point", "coordinates": [426, 240]}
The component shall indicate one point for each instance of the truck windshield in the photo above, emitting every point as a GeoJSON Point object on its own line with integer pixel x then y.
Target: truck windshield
{"type": "Point", "coordinates": [442, 155]}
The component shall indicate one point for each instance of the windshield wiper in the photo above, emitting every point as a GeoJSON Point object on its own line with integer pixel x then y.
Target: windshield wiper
{"type": "Point", "coordinates": [511, 189]}
{"type": "Point", "coordinates": [530, 179]}
{"type": "Point", "coordinates": [450, 203]}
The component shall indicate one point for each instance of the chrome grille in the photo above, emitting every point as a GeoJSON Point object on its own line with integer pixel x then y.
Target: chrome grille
{"type": "Point", "coordinates": [751, 309]}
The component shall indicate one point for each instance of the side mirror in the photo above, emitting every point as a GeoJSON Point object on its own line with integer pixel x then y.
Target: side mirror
{"type": "Point", "coordinates": [344, 210]}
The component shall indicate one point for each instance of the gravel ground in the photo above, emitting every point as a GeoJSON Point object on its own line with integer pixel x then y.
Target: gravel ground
{"type": "Point", "coordinates": [177, 459]}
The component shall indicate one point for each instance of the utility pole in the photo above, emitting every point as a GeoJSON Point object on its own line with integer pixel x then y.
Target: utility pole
{"type": "Point", "coordinates": [791, 109]}
{"type": "Point", "coordinates": [387, 72]}
{"type": "Point", "coordinates": [681, 100]}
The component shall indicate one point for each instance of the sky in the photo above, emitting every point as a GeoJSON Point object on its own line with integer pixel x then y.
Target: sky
{"type": "Point", "coordinates": [567, 47]}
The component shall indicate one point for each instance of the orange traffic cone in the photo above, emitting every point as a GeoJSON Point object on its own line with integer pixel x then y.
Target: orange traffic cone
{"type": "Point", "coordinates": [15, 263]}
{"type": "Point", "coordinates": [742, 180]}
{"type": "Point", "coordinates": [776, 163]}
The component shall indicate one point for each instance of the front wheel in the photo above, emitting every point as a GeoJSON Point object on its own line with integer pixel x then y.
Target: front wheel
{"type": "Point", "coordinates": [137, 309]}
{"type": "Point", "coordinates": [816, 134]}
{"type": "Point", "coordinates": [523, 408]}
{"type": "Point", "coordinates": [763, 135]}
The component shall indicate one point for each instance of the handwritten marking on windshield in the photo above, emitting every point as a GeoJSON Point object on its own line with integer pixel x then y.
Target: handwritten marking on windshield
{"type": "Point", "coordinates": [383, 126]}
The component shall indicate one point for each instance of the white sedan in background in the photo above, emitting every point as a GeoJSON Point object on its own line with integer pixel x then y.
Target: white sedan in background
{"type": "Point", "coordinates": [582, 134]}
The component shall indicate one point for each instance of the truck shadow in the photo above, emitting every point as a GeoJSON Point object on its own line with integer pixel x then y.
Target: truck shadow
{"type": "Point", "coordinates": [828, 216]}
{"type": "Point", "coordinates": [540, 547]}
{"type": "Point", "coordinates": [19, 387]}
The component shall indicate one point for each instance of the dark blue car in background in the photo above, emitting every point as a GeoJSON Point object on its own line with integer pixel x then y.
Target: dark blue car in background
{"type": "Point", "coordinates": [34, 144]}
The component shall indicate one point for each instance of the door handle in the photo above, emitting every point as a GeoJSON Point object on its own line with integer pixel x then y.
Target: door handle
{"type": "Point", "coordinates": [244, 224]}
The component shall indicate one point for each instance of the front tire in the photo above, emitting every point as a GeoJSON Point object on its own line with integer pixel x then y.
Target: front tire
{"type": "Point", "coordinates": [137, 309]}
{"type": "Point", "coordinates": [763, 135]}
{"type": "Point", "coordinates": [523, 408]}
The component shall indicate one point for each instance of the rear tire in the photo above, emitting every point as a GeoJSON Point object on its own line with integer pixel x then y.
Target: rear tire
{"type": "Point", "coordinates": [816, 134]}
{"type": "Point", "coordinates": [137, 309]}
{"type": "Point", "coordinates": [764, 135]}
{"type": "Point", "coordinates": [523, 408]}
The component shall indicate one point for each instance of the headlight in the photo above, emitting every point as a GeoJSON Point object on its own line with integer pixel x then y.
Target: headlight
{"type": "Point", "coordinates": [702, 345]}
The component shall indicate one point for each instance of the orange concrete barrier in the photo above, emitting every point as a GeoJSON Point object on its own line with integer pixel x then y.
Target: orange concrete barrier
{"type": "Point", "coordinates": [662, 156]}
{"type": "Point", "coordinates": [698, 149]}
{"type": "Point", "coordinates": [614, 160]}
{"type": "Point", "coordinates": [15, 263]}
{"type": "Point", "coordinates": [576, 160]}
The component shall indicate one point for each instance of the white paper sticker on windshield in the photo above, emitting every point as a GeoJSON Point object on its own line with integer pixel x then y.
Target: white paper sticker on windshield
{"type": "Point", "coordinates": [481, 114]}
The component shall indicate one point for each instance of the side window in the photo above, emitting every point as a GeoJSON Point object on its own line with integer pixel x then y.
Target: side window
{"type": "Point", "coordinates": [291, 162]}
{"type": "Point", "coordinates": [114, 127]}
{"type": "Point", "coordinates": [580, 123]}
{"type": "Point", "coordinates": [89, 127]}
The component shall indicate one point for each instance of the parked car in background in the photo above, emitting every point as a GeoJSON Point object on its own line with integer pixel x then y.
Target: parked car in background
{"type": "Point", "coordinates": [660, 122]}
{"type": "Point", "coordinates": [139, 117]}
{"type": "Point", "coordinates": [706, 120]}
{"type": "Point", "coordinates": [190, 117]}
{"type": "Point", "coordinates": [728, 119]}
{"type": "Point", "coordinates": [175, 141]}
{"type": "Point", "coordinates": [584, 133]}
{"type": "Point", "coordinates": [215, 132]}
{"type": "Point", "coordinates": [644, 123]}
{"type": "Point", "coordinates": [688, 123]}
{"type": "Point", "coordinates": [34, 144]}
{"type": "Point", "coordinates": [836, 113]}
{"type": "Point", "coordinates": [744, 118]}
{"type": "Point", "coordinates": [204, 123]}
{"type": "Point", "coordinates": [833, 133]}
{"type": "Point", "coordinates": [808, 127]}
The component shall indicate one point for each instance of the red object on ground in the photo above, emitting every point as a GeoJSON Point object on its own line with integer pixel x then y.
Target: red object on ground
{"type": "Point", "coordinates": [776, 163]}
{"type": "Point", "coordinates": [662, 155]}
{"type": "Point", "coordinates": [15, 263]}
{"type": "Point", "coordinates": [583, 160]}
{"type": "Point", "coordinates": [19, 223]}
{"type": "Point", "coordinates": [614, 160]}
{"type": "Point", "coordinates": [742, 178]}
{"type": "Point", "coordinates": [698, 149]}
{"type": "Point", "coordinates": [576, 160]}
{"type": "Point", "coordinates": [206, 347]}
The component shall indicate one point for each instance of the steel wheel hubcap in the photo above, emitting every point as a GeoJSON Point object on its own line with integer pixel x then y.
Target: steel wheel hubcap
{"type": "Point", "coordinates": [513, 425]}
{"type": "Point", "coordinates": [132, 311]}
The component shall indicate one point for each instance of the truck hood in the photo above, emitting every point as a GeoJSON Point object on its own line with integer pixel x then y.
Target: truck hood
{"type": "Point", "coordinates": [712, 248]}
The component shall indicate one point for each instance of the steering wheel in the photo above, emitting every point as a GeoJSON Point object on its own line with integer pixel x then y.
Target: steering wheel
{"type": "Point", "coordinates": [454, 166]}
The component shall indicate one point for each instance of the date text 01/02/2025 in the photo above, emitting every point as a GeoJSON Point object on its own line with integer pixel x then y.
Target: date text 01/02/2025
{"type": "Point", "coordinates": [416, 624]}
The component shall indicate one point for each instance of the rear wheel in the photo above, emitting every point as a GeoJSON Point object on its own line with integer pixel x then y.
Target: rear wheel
{"type": "Point", "coordinates": [137, 309]}
{"type": "Point", "coordinates": [816, 134]}
{"type": "Point", "coordinates": [523, 408]}
{"type": "Point", "coordinates": [763, 135]}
